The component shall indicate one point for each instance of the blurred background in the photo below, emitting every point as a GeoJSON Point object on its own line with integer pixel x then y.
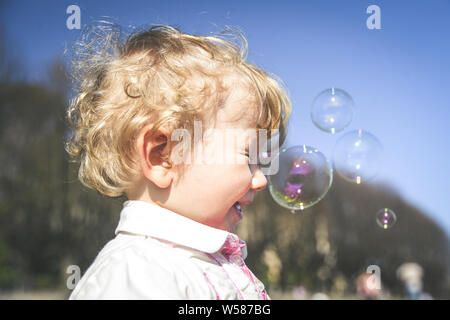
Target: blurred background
{"type": "Point", "coordinates": [398, 77]}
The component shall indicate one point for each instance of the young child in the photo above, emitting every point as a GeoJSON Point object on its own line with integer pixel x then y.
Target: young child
{"type": "Point", "coordinates": [176, 235]}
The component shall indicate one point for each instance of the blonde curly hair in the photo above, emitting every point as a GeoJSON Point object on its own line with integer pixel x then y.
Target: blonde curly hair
{"type": "Point", "coordinates": [159, 76]}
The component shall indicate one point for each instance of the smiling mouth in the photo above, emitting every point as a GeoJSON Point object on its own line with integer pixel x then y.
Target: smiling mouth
{"type": "Point", "coordinates": [238, 208]}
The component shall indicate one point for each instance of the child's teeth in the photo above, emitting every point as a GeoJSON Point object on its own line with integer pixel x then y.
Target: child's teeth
{"type": "Point", "coordinates": [238, 208]}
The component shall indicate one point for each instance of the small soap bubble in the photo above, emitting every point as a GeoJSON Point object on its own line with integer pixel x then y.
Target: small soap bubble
{"type": "Point", "coordinates": [386, 218]}
{"type": "Point", "coordinates": [303, 179]}
{"type": "Point", "coordinates": [357, 156]}
{"type": "Point", "coordinates": [332, 110]}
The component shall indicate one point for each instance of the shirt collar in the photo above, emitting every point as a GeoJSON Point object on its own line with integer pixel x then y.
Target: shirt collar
{"type": "Point", "coordinates": [144, 218]}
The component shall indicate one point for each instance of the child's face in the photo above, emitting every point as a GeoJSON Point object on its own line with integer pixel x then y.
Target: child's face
{"type": "Point", "coordinates": [207, 193]}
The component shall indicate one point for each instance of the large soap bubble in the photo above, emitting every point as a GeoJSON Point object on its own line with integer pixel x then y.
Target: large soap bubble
{"type": "Point", "coordinates": [303, 179]}
{"type": "Point", "coordinates": [332, 110]}
{"type": "Point", "coordinates": [357, 156]}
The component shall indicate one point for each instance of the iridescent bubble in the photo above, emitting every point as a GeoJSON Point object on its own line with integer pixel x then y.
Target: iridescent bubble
{"type": "Point", "coordinates": [357, 156]}
{"type": "Point", "coordinates": [303, 179]}
{"type": "Point", "coordinates": [386, 218]}
{"type": "Point", "coordinates": [332, 110]}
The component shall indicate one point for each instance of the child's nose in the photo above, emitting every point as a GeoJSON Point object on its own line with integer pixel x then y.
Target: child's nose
{"type": "Point", "coordinates": [259, 181]}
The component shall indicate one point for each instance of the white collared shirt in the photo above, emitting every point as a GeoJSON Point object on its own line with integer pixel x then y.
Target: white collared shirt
{"type": "Point", "coordinates": [159, 254]}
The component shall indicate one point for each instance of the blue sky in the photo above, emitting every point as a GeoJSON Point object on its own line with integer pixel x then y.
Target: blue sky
{"type": "Point", "coordinates": [398, 76]}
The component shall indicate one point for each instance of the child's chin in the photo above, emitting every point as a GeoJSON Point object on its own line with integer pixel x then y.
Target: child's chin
{"type": "Point", "coordinates": [234, 218]}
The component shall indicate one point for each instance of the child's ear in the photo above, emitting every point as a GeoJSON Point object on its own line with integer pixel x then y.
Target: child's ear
{"type": "Point", "coordinates": [152, 151]}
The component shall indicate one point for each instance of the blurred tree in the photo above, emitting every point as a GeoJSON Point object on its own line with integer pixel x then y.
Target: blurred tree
{"type": "Point", "coordinates": [337, 239]}
{"type": "Point", "coordinates": [47, 219]}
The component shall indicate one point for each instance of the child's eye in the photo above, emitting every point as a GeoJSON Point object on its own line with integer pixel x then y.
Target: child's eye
{"type": "Point", "coordinates": [245, 153]}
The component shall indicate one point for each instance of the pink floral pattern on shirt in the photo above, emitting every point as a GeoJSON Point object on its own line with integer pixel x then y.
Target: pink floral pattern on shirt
{"type": "Point", "coordinates": [232, 251]}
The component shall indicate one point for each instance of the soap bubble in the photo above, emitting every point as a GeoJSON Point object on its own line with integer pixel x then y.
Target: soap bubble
{"type": "Point", "coordinates": [357, 156]}
{"type": "Point", "coordinates": [386, 218]}
{"type": "Point", "coordinates": [332, 110]}
{"type": "Point", "coordinates": [304, 177]}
